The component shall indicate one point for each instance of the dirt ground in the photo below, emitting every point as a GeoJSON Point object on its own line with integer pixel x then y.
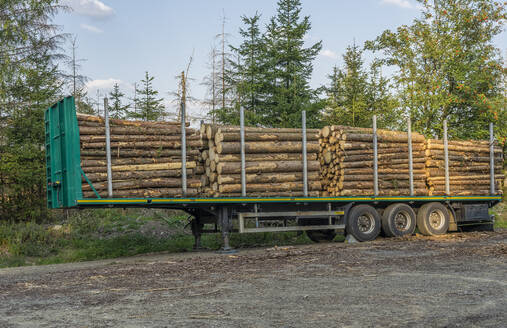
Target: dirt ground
{"type": "Point", "coordinates": [459, 280]}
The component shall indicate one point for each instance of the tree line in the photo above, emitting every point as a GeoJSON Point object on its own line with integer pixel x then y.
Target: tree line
{"type": "Point", "coordinates": [444, 66]}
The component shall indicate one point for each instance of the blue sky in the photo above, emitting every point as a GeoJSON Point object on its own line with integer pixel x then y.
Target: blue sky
{"type": "Point", "coordinates": [121, 39]}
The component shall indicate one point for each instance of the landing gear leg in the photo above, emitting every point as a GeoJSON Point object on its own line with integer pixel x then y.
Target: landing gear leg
{"type": "Point", "coordinates": [225, 225]}
{"type": "Point", "coordinates": [197, 232]}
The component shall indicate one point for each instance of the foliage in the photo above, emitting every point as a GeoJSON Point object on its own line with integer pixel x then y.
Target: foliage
{"type": "Point", "coordinates": [116, 109]}
{"type": "Point", "coordinates": [355, 95]}
{"type": "Point", "coordinates": [149, 107]}
{"type": "Point", "coordinates": [289, 67]}
{"type": "Point", "coordinates": [29, 83]}
{"type": "Point", "coordinates": [448, 68]}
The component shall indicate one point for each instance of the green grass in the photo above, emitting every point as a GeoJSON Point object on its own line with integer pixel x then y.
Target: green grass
{"type": "Point", "coordinates": [500, 212]}
{"type": "Point", "coordinates": [109, 233]}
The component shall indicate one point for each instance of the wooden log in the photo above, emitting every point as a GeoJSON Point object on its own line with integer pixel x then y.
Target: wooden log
{"type": "Point", "coordinates": [483, 177]}
{"type": "Point", "coordinates": [140, 167]}
{"type": "Point", "coordinates": [266, 167]}
{"type": "Point", "coordinates": [402, 137]}
{"type": "Point", "coordinates": [134, 137]}
{"type": "Point", "coordinates": [127, 175]}
{"type": "Point", "coordinates": [263, 157]}
{"type": "Point", "coordinates": [137, 153]}
{"type": "Point", "coordinates": [436, 172]}
{"type": "Point", "coordinates": [391, 170]}
{"type": "Point", "coordinates": [400, 149]}
{"type": "Point", "coordinates": [144, 193]}
{"type": "Point", "coordinates": [470, 149]}
{"type": "Point", "coordinates": [419, 162]}
{"type": "Point", "coordinates": [269, 187]}
{"type": "Point", "coordinates": [143, 144]}
{"type": "Point", "coordinates": [369, 192]}
{"type": "Point", "coordinates": [344, 145]}
{"type": "Point", "coordinates": [267, 147]}
{"type": "Point", "coordinates": [125, 161]}
{"type": "Point", "coordinates": [464, 193]}
{"type": "Point", "coordinates": [368, 177]}
{"type": "Point", "coordinates": [263, 136]}
{"type": "Point", "coordinates": [112, 121]}
{"type": "Point", "coordinates": [463, 158]}
{"type": "Point", "coordinates": [225, 129]}
{"type": "Point", "coordinates": [140, 184]}
{"type": "Point", "coordinates": [395, 184]}
{"type": "Point", "coordinates": [134, 130]}
{"type": "Point", "coordinates": [417, 156]}
{"type": "Point", "coordinates": [464, 143]}
{"type": "Point", "coordinates": [267, 178]}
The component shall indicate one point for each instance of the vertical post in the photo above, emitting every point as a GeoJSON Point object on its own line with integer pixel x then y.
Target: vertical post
{"type": "Point", "coordinates": [108, 150]}
{"type": "Point", "coordinates": [375, 157]}
{"type": "Point", "coordinates": [446, 160]}
{"type": "Point", "coordinates": [410, 158]}
{"type": "Point", "coordinates": [183, 150]}
{"type": "Point", "coordinates": [305, 159]}
{"type": "Point", "coordinates": [491, 160]}
{"type": "Point", "coordinates": [242, 149]}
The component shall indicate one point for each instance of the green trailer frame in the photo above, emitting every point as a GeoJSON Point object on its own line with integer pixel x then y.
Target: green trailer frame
{"type": "Point", "coordinates": [64, 176]}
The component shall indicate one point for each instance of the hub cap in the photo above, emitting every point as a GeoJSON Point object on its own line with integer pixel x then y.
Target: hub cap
{"type": "Point", "coordinates": [402, 221]}
{"type": "Point", "coordinates": [437, 219]}
{"type": "Point", "coordinates": [366, 223]}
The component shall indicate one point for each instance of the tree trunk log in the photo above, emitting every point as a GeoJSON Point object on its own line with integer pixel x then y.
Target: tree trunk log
{"type": "Point", "coordinates": [266, 147]}
{"type": "Point", "coordinates": [267, 178]}
{"type": "Point", "coordinates": [266, 167]}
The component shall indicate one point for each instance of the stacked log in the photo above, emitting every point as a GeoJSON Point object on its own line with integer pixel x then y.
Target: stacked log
{"type": "Point", "coordinates": [346, 159]}
{"type": "Point", "coordinates": [145, 158]}
{"type": "Point", "coordinates": [273, 161]}
{"type": "Point", "coordinates": [469, 167]}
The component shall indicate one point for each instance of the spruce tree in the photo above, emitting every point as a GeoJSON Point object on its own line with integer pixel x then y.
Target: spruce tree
{"type": "Point", "coordinates": [289, 67]}
{"type": "Point", "coordinates": [249, 73]}
{"type": "Point", "coordinates": [116, 109]}
{"type": "Point", "coordinates": [149, 107]}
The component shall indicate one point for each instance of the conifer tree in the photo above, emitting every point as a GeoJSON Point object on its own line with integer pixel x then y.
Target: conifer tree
{"type": "Point", "coordinates": [289, 67]}
{"type": "Point", "coordinates": [149, 107]}
{"type": "Point", "coordinates": [116, 109]}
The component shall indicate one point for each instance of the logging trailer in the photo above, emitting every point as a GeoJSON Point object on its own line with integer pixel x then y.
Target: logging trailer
{"type": "Point", "coordinates": [362, 217]}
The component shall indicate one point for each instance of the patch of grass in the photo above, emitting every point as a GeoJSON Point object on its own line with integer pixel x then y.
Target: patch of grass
{"type": "Point", "coordinates": [500, 212]}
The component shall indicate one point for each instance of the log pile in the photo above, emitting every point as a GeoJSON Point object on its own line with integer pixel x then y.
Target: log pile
{"type": "Point", "coordinates": [273, 161]}
{"type": "Point", "coordinates": [346, 159]}
{"type": "Point", "coordinates": [145, 158]}
{"type": "Point", "coordinates": [469, 167]}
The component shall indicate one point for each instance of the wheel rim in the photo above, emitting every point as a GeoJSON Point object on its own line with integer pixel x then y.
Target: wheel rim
{"type": "Point", "coordinates": [366, 223]}
{"type": "Point", "coordinates": [437, 219]}
{"type": "Point", "coordinates": [402, 221]}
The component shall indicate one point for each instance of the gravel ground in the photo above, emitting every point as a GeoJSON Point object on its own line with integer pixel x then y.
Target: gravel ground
{"type": "Point", "coordinates": [458, 280]}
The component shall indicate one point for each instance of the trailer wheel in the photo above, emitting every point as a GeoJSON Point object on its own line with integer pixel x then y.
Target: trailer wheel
{"type": "Point", "coordinates": [398, 220]}
{"type": "Point", "coordinates": [433, 219]}
{"type": "Point", "coordinates": [363, 223]}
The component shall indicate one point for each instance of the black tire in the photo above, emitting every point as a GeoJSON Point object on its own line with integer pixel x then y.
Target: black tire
{"type": "Point", "coordinates": [321, 236]}
{"type": "Point", "coordinates": [433, 219]}
{"type": "Point", "coordinates": [398, 220]}
{"type": "Point", "coordinates": [363, 223]}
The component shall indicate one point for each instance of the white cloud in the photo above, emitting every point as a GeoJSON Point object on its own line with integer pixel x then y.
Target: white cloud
{"type": "Point", "coordinates": [329, 54]}
{"type": "Point", "coordinates": [91, 28]}
{"type": "Point", "coordinates": [106, 85]}
{"type": "Point", "coordinates": [399, 3]}
{"type": "Point", "coordinates": [91, 8]}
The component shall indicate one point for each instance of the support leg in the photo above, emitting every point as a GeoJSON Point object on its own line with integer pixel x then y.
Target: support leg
{"type": "Point", "coordinates": [197, 232]}
{"type": "Point", "coordinates": [225, 226]}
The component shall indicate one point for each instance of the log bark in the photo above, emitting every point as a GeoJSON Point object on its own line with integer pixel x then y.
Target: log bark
{"type": "Point", "coordinates": [139, 184]}
{"type": "Point", "coordinates": [143, 144]}
{"type": "Point", "coordinates": [128, 175]}
{"type": "Point", "coordinates": [100, 120]}
{"type": "Point", "coordinates": [144, 193]}
{"type": "Point", "coordinates": [269, 187]}
{"type": "Point", "coordinates": [267, 178]}
{"type": "Point", "coordinates": [140, 167]}
{"type": "Point", "coordinates": [133, 130]}
{"type": "Point", "coordinates": [266, 167]}
{"type": "Point", "coordinates": [135, 137]}
{"type": "Point", "coordinates": [346, 146]}
{"type": "Point", "coordinates": [402, 137]}
{"type": "Point", "coordinates": [222, 158]}
{"type": "Point", "coordinates": [266, 147]}
{"type": "Point", "coordinates": [264, 136]}
{"type": "Point", "coordinates": [268, 194]}
{"type": "Point", "coordinates": [137, 153]}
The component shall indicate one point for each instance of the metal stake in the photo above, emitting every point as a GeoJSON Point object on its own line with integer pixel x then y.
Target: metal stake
{"type": "Point", "coordinates": [305, 159]}
{"type": "Point", "coordinates": [183, 150]}
{"type": "Point", "coordinates": [446, 160]}
{"type": "Point", "coordinates": [491, 160]}
{"type": "Point", "coordinates": [108, 150]}
{"type": "Point", "coordinates": [242, 147]}
{"type": "Point", "coordinates": [375, 157]}
{"type": "Point", "coordinates": [410, 159]}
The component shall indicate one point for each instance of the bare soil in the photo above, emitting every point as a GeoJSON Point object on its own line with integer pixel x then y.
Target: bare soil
{"type": "Point", "coordinates": [458, 280]}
